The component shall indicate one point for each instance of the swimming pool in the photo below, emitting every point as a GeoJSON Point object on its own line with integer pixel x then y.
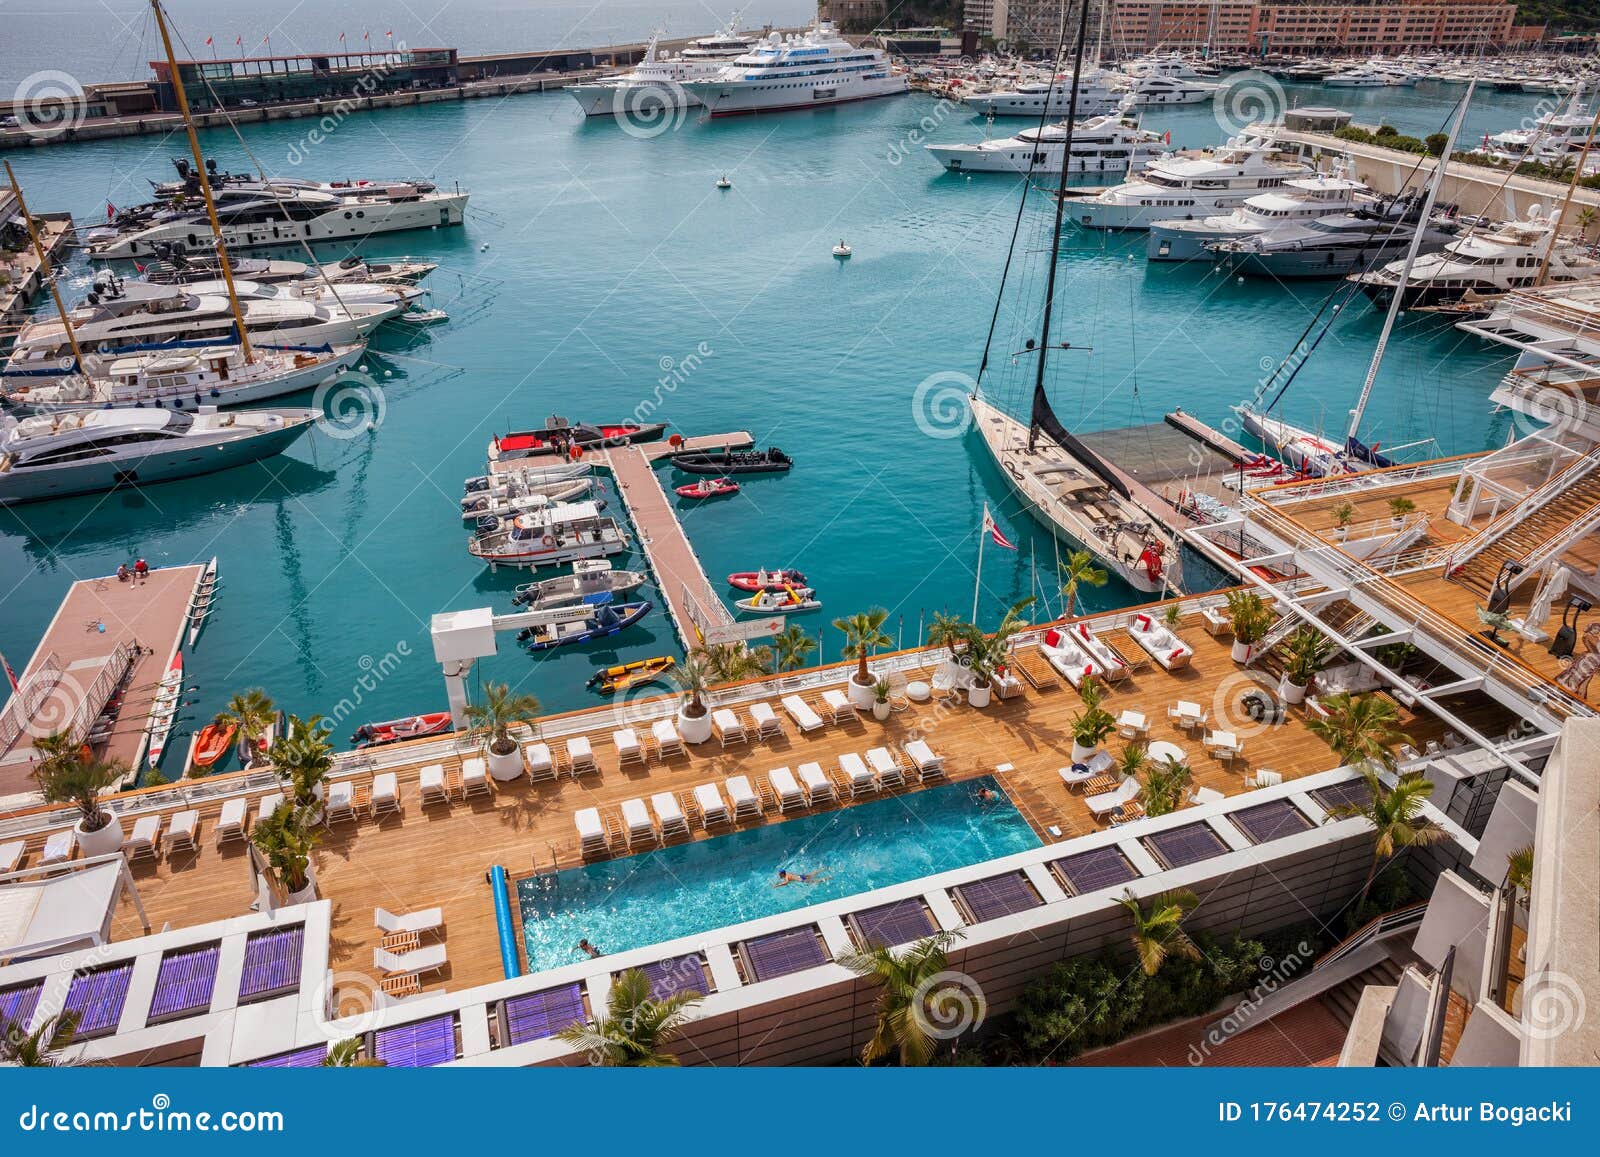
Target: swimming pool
{"type": "Point", "coordinates": [695, 887]}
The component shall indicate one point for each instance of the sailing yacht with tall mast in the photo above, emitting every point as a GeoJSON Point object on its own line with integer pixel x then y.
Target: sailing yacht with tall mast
{"type": "Point", "coordinates": [1071, 490]}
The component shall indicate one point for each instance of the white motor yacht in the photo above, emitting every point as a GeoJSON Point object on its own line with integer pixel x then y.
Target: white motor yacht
{"type": "Point", "coordinates": [1187, 186]}
{"type": "Point", "coordinates": [656, 82]}
{"type": "Point", "coordinates": [1043, 98]}
{"type": "Point", "coordinates": [1299, 199]}
{"type": "Point", "coordinates": [1100, 145]}
{"type": "Point", "coordinates": [1147, 91]}
{"type": "Point", "coordinates": [1335, 245]}
{"type": "Point", "coordinates": [811, 70]}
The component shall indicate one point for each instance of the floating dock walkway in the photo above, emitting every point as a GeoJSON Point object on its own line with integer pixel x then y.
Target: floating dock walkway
{"type": "Point", "coordinates": [107, 637]}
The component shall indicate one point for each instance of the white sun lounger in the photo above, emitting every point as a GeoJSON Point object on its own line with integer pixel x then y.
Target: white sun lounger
{"type": "Point", "coordinates": [423, 920]}
{"type": "Point", "coordinates": [474, 777]}
{"type": "Point", "coordinates": [1107, 802]}
{"type": "Point", "coordinates": [59, 847]}
{"type": "Point", "coordinates": [184, 831]}
{"type": "Point", "coordinates": [340, 805]}
{"type": "Point", "coordinates": [580, 756]}
{"type": "Point", "coordinates": [230, 824]}
{"type": "Point", "coordinates": [857, 773]}
{"type": "Point", "coordinates": [626, 741]}
{"type": "Point", "coordinates": [669, 814]}
{"type": "Point", "coordinates": [591, 832]}
{"type": "Point", "coordinates": [142, 840]}
{"type": "Point", "coordinates": [746, 802]}
{"type": "Point", "coordinates": [636, 820]}
{"type": "Point", "coordinates": [928, 764]}
{"type": "Point", "coordinates": [818, 786]}
{"type": "Point", "coordinates": [712, 808]}
{"type": "Point", "coordinates": [800, 711]}
{"type": "Point", "coordinates": [385, 793]}
{"type": "Point", "coordinates": [541, 764]}
{"type": "Point", "coordinates": [268, 806]}
{"type": "Point", "coordinates": [668, 742]}
{"type": "Point", "coordinates": [11, 855]}
{"type": "Point", "coordinates": [838, 704]}
{"type": "Point", "coordinates": [430, 958]}
{"type": "Point", "coordinates": [768, 725]}
{"type": "Point", "coordinates": [432, 781]}
{"type": "Point", "coordinates": [727, 726]}
{"type": "Point", "coordinates": [885, 768]}
{"type": "Point", "coordinates": [785, 788]}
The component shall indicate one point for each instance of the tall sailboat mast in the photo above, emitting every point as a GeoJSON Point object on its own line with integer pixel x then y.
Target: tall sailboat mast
{"type": "Point", "coordinates": [1055, 236]}
{"type": "Point", "coordinates": [45, 272]}
{"type": "Point", "coordinates": [205, 183]}
{"type": "Point", "coordinates": [1405, 272]}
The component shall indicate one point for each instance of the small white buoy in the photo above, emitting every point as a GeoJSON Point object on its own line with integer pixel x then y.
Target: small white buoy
{"type": "Point", "coordinates": [362, 368]}
{"type": "Point", "coordinates": [841, 249]}
{"type": "Point", "coordinates": [724, 183]}
{"type": "Point", "coordinates": [388, 373]}
{"type": "Point", "coordinates": [1239, 280]}
{"type": "Point", "coordinates": [484, 247]}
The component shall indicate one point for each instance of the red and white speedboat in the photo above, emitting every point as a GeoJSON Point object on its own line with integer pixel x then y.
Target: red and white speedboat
{"type": "Point", "coordinates": [766, 580]}
{"type": "Point", "coordinates": [707, 488]}
{"type": "Point", "coordinates": [558, 436]}
{"type": "Point", "coordinates": [394, 730]}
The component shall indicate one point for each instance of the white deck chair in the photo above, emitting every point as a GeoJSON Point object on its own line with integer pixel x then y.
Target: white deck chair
{"type": "Point", "coordinates": [418, 961]}
{"type": "Point", "coordinates": [883, 765]}
{"type": "Point", "coordinates": [1263, 777]}
{"type": "Point", "coordinates": [591, 832]}
{"type": "Point", "coordinates": [626, 741]}
{"type": "Point", "coordinates": [669, 814]}
{"type": "Point", "coordinates": [268, 806]}
{"type": "Point", "coordinates": [474, 777]}
{"type": "Point", "coordinates": [838, 705]}
{"type": "Point", "coordinates": [540, 763]}
{"type": "Point", "coordinates": [184, 831]}
{"type": "Point", "coordinates": [727, 726]}
{"type": "Point", "coordinates": [928, 765]}
{"type": "Point", "coordinates": [768, 725]}
{"type": "Point", "coordinates": [800, 711]}
{"type": "Point", "coordinates": [59, 847]}
{"type": "Point", "coordinates": [230, 824]}
{"type": "Point", "coordinates": [668, 742]}
{"type": "Point", "coordinates": [11, 855]}
{"type": "Point", "coordinates": [433, 790]}
{"type": "Point", "coordinates": [746, 803]}
{"type": "Point", "coordinates": [580, 756]}
{"type": "Point", "coordinates": [713, 810]}
{"type": "Point", "coordinates": [636, 822]}
{"type": "Point", "coordinates": [785, 789]}
{"type": "Point", "coordinates": [385, 793]}
{"type": "Point", "coordinates": [143, 839]}
{"type": "Point", "coordinates": [818, 787]}
{"type": "Point", "coordinates": [423, 920]}
{"type": "Point", "coordinates": [857, 773]}
{"type": "Point", "coordinates": [341, 803]}
{"type": "Point", "coordinates": [1107, 802]}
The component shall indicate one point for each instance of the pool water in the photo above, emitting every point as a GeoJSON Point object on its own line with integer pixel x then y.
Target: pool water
{"type": "Point", "coordinates": [695, 887]}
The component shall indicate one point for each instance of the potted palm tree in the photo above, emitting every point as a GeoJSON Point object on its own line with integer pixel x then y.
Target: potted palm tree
{"type": "Point", "coordinates": [251, 713]}
{"type": "Point", "coordinates": [1305, 652]}
{"type": "Point", "coordinates": [1251, 618]}
{"type": "Point", "coordinates": [988, 654]}
{"type": "Point", "coordinates": [1166, 783]}
{"type": "Point", "coordinates": [1361, 729]}
{"type": "Point", "coordinates": [863, 635]}
{"type": "Point", "coordinates": [637, 1028]}
{"type": "Point", "coordinates": [501, 710]}
{"type": "Point", "coordinates": [1158, 930]}
{"type": "Point", "coordinates": [920, 1000]}
{"type": "Point", "coordinates": [1399, 507]}
{"type": "Point", "coordinates": [303, 759]}
{"type": "Point", "coordinates": [694, 717]}
{"type": "Point", "coordinates": [285, 839]}
{"type": "Point", "coordinates": [1091, 725]}
{"type": "Point", "coordinates": [948, 631]}
{"type": "Point", "coordinates": [880, 699]}
{"type": "Point", "coordinates": [1342, 514]}
{"type": "Point", "coordinates": [791, 646]}
{"type": "Point", "coordinates": [68, 774]}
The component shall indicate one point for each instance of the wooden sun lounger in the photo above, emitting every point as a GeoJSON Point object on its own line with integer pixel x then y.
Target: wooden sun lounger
{"type": "Point", "coordinates": [1035, 669]}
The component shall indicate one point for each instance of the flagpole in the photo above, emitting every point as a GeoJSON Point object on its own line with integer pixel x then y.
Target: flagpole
{"type": "Point", "coordinates": [977, 579]}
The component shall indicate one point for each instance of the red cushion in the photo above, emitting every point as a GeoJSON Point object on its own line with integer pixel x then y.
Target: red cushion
{"type": "Point", "coordinates": [1083, 632]}
{"type": "Point", "coordinates": [1177, 653]}
{"type": "Point", "coordinates": [1088, 670]}
{"type": "Point", "coordinates": [1143, 622]}
{"type": "Point", "coordinates": [1052, 638]}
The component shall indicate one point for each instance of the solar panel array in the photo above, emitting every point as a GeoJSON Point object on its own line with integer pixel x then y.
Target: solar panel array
{"type": "Point", "coordinates": [538, 1015]}
{"type": "Point", "coordinates": [892, 924]}
{"type": "Point", "coordinates": [418, 1045]}
{"type": "Point", "coordinates": [272, 963]}
{"type": "Point", "coordinates": [781, 953]}
{"type": "Point", "coordinates": [309, 1057]}
{"type": "Point", "coordinates": [1186, 845]}
{"type": "Point", "coordinates": [17, 1004]}
{"type": "Point", "coordinates": [1091, 871]}
{"type": "Point", "coordinates": [998, 896]}
{"type": "Point", "coordinates": [1270, 821]}
{"type": "Point", "coordinates": [1352, 791]}
{"type": "Point", "coordinates": [184, 984]}
{"type": "Point", "coordinates": [677, 974]}
{"type": "Point", "coordinates": [97, 997]}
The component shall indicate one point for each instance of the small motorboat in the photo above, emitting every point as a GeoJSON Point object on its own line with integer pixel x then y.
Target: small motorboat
{"type": "Point", "coordinates": [422, 316]}
{"type": "Point", "coordinates": [634, 674]}
{"type": "Point", "coordinates": [766, 580]}
{"type": "Point", "coordinates": [558, 434]}
{"type": "Point", "coordinates": [769, 461]}
{"type": "Point", "coordinates": [724, 183]}
{"type": "Point", "coordinates": [512, 504]}
{"type": "Point", "coordinates": [841, 250]}
{"type": "Point", "coordinates": [590, 579]}
{"type": "Point", "coordinates": [394, 730]}
{"type": "Point", "coordinates": [788, 601]}
{"type": "Point", "coordinates": [212, 741]}
{"type": "Point", "coordinates": [602, 624]}
{"type": "Point", "coordinates": [708, 488]}
{"type": "Point", "coordinates": [530, 477]}
{"type": "Point", "coordinates": [164, 710]}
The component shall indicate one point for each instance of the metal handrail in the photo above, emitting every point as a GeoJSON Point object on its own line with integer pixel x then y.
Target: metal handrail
{"type": "Point", "coordinates": [1379, 927]}
{"type": "Point", "coordinates": [21, 706]}
{"type": "Point", "coordinates": [1508, 520]}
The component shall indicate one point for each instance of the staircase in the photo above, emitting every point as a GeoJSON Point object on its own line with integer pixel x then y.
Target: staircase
{"type": "Point", "coordinates": [1535, 531]}
{"type": "Point", "coordinates": [1342, 1001]}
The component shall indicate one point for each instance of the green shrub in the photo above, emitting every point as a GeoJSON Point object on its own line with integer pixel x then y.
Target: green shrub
{"type": "Point", "coordinates": [1435, 143]}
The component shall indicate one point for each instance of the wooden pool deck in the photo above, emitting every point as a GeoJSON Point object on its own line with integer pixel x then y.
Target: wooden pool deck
{"type": "Point", "coordinates": [80, 664]}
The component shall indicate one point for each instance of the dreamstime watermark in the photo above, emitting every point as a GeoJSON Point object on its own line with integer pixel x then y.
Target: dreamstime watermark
{"type": "Point", "coordinates": [373, 674]}
{"type": "Point", "coordinates": [352, 404]}
{"type": "Point", "coordinates": [158, 1117]}
{"type": "Point", "coordinates": [1549, 408]}
{"type": "Point", "coordinates": [48, 103]}
{"type": "Point", "coordinates": [917, 136]}
{"type": "Point", "coordinates": [1246, 704]}
{"type": "Point", "coordinates": [649, 110]}
{"type": "Point", "coordinates": [1553, 1004]}
{"type": "Point", "coordinates": [1247, 98]}
{"type": "Point", "coordinates": [675, 374]}
{"type": "Point", "coordinates": [363, 88]}
{"type": "Point", "coordinates": [939, 404]}
{"type": "Point", "coordinates": [351, 1002]}
{"type": "Point", "coordinates": [948, 1004]}
{"type": "Point", "coordinates": [1242, 1015]}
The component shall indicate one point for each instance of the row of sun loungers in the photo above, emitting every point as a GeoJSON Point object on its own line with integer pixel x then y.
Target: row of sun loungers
{"type": "Point", "coordinates": [1158, 640]}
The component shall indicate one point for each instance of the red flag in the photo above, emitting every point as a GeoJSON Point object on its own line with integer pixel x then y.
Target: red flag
{"type": "Point", "coordinates": [239, 40]}
{"type": "Point", "coordinates": [366, 36]}
{"type": "Point", "coordinates": [993, 531]}
{"type": "Point", "coordinates": [208, 40]}
{"type": "Point", "coordinates": [10, 674]}
{"type": "Point", "coordinates": [111, 211]}
{"type": "Point", "coordinates": [390, 34]}
{"type": "Point", "coordinates": [341, 38]}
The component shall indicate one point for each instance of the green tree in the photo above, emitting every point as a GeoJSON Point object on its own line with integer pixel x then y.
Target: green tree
{"type": "Point", "coordinates": [1359, 728]}
{"type": "Point", "coordinates": [1158, 930]}
{"type": "Point", "coordinates": [731, 662]}
{"type": "Point", "coordinates": [1166, 784]}
{"type": "Point", "coordinates": [346, 1054]}
{"type": "Point", "coordinates": [1395, 814]}
{"type": "Point", "coordinates": [303, 758]}
{"type": "Point", "coordinates": [1078, 571]}
{"type": "Point", "coordinates": [917, 993]}
{"type": "Point", "coordinates": [285, 840]}
{"type": "Point", "coordinates": [251, 712]}
{"type": "Point", "coordinates": [637, 1028]}
{"type": "Point", "coordinates": [863, 635]}
{"type": "Point", "coordinates": [42, 1048]}
{"type": "Point", "coordinates": [948, 631]}
{"type": "Point", "coordinates": [792, 645]}
{"type": "Point", "coordinates": [501, 710]}
{"type": "Point", "coordinates": [68, 774]}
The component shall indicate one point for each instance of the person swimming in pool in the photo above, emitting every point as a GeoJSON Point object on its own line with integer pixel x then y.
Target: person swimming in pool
{"type": "Point", "coordinates": [787, 877]}
{"type": "Point", "coordinates": [585, 946]}
{"type": "Point", "coordinates": [988, 794]}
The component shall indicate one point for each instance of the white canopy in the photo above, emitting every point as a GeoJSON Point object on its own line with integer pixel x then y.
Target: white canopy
{"type": "Point", "coordinates": [59, 914]}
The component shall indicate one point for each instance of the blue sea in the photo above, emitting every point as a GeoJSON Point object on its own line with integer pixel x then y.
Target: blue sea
{"type": "Point", "coordinates": [600, 269]}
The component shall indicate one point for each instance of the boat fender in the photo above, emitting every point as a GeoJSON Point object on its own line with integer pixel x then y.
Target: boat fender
{"type": "Point", "coordinates": [549, 540]}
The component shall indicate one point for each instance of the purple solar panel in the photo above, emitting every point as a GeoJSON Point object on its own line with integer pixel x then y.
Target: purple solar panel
{"type": "Point", "coordinates": [892, 924]}
{"type": "Point", "coordinates": [272, 963]}
{"type": "Point", "coordinates": [1354, 791]}
{"type": "Point", "coordinates": [418, 1045]}
{"type": "Point", "coordinates": [309, 1057]}
{"type": "Point", "coordinates": [17, 1004]}
{"type": "Point", "coordinates": [1186, 845]}
{"type": "Point", "coordinates": [781, 953]}
{"type": "Point", "coordinates": [677, 974]}
{"type": "Point", "coordinates": [1270, 821]}
{"type": "Point", "coordinates": [998, 896]}
{"type": "Point", "coordinates": [184, 984]}
{"type": "Point", "coordinates": [542, 1014]}
{"type": "Point", "coordinates": [97, 998]}
{"type": "Point", "coordinates": [1091, 871]}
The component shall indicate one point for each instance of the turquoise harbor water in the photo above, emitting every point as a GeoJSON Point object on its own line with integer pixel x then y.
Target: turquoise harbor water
{"type": "Point", "coordinates": [645, 899]}
{"type": "Point", "coordinates": [599, 270]}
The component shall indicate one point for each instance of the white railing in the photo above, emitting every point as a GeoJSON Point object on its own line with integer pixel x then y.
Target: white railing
{"type": "Point", "coordinates": [19, 709]}
{"type": "Point", "coordinates": [99, 692]}
{"type": "Point", "coordinates": [1509, 520]}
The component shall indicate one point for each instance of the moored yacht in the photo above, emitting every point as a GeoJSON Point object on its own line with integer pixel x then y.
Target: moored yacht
{"type": "Point", "coordinates": [1298, 200]}
{"type": "Point", "coordinates": [1100, 145]}
{"type": "Point", "coordinates": [1553, 137]}
{"type": "Point", "coordinates": [1336, 245]}
{"type": "Point", "coordinates": [176, 266]}
{"type": "Point", "coordinates": [1045, 98]}
{"type": "Point", "coordinates": [816, 68]}
{"type": "Point", "coordinates": [1145, 91]}
{"type": "Point", "coordinates": [656, 82]}
{"type": "Point", "coordinates": [1189, 185]}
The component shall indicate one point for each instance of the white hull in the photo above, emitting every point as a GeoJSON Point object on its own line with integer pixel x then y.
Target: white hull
{"type": "Point", "coordinates": [624, 98]}
{"type": "Point", "coordinates": [1096, 214]}
{"type": "Point", "coordinates": [723, 98]}
{"type": "Point", "coordinates": [1301, 449]}
{"type": "Point", "coordinates": [1020, 158]}
{"type": "Point", "coordinates": [1016, 104]}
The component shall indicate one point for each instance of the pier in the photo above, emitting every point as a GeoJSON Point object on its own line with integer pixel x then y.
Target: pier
{"type": "Point", "coordinates": [20, 280]}
{"type": "Point", "coordinates": [107, 637]}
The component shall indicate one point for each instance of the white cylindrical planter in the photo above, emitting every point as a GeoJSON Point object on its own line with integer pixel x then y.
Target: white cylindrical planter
{"type": "Point", "coordinates": [980, 696]}
{"type": "Point", "coordinates": [305, 895]}
{"type": "Point", "coordinates": [861, 697]}
{"type": "Point", "coordinates": [1291, 692]}
{"type": "Point", "coordinates": [504, 767]}
{"type": "Point", "coordinates": [100, 843]}
{"type": "Point", "coordinates": [1241, 651]}
{"type": "Point", "coordinates": [694, 728]}
{"type": "Point", "coordinates": [880, 711]}
{"type": "Point", "coordinates": [1080, 753]}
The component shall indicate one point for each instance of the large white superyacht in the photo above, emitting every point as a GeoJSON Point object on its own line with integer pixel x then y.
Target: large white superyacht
{"type": "Point", "coordinates": [1190, 185]}
{"type": "Point", "coordinates": [656, 83]}
{"type": "Point", "coordinates": [1300, 199]}
{"type": "Point", "coordinates": [1100, 145]}
{"type": "Point", "coordinates": [816, 68]}
{"type": "Point", "coordinates": [1050, 98]}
